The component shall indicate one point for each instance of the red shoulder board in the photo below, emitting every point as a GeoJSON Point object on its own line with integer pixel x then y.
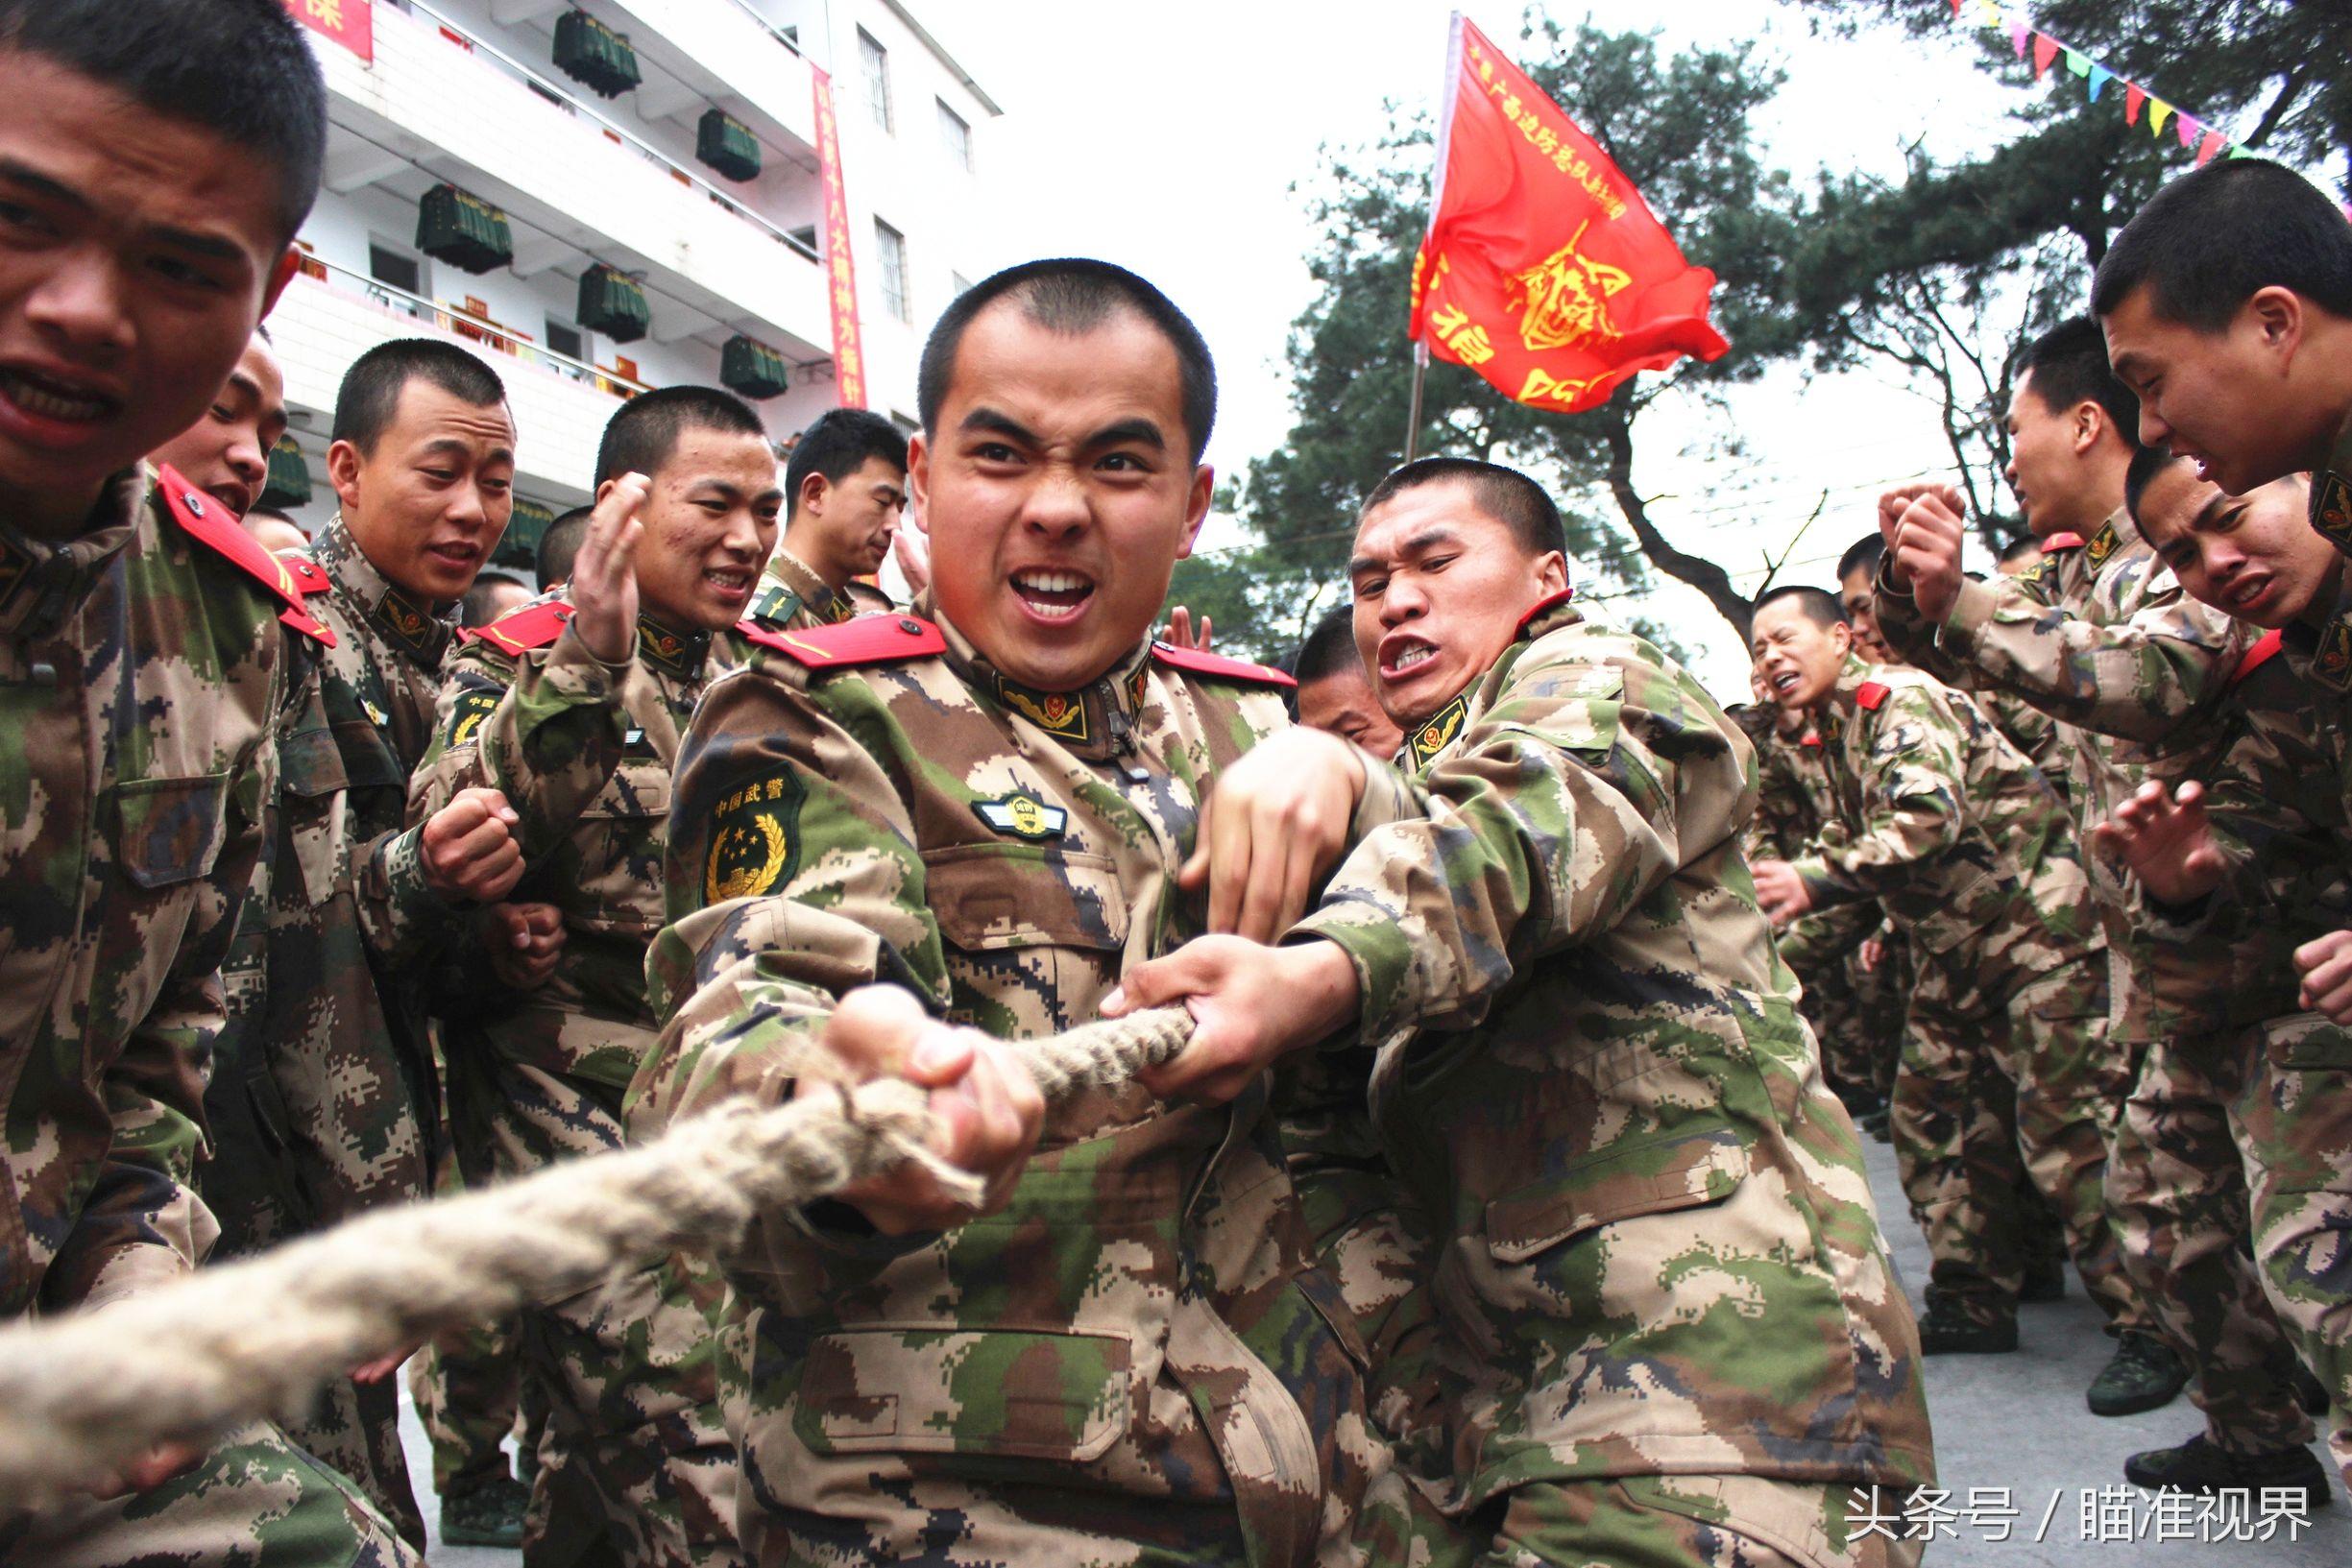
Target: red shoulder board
{"type": "Point", "coordinates": [2264, 650]}
{"type": "Point", "coordinates": [868, 639]}
{"type": "Point", "coordinates": [1217, 663]}
{"type": "Point", "coordinates": [525, 629]}
{"type": "Point", "coordinates": [308, 575]}
{"type": "Point", "coordinates": [1553, 603]}
{"type": "Point", "coordinates": [1869, 695]}
{"type": "Point", "coordinates": [211, 523]}
{"type": "Point", "coordinates": [2062, 542]}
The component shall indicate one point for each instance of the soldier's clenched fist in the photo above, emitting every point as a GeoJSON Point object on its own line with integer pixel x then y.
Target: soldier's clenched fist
{"type": "Point", "coordinates": [470, 850]}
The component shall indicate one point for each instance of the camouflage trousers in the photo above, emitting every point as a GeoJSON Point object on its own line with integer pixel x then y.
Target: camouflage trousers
{"type": "Point", "coordinates": [1689, 1522]}
{"type": "Point", "coordinates": [466, 1383]}
{"type": "Point", "coordinates": [2001, 1067]}
{"type": "Point", "coordinates": [1821, 950]}
{"type": "Point", "coordinates": [2177, 1189]}
{"type": "Point", "coordinates": [254, 1502]}
{"type": "Point", "coordinates": [1881, 1000]}
{"type": "Point", "coordinates": [635, 1464]}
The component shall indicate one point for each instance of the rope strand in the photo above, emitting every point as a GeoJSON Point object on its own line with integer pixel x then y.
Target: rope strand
{"type": "Point", "coordinates": [83, 1394]}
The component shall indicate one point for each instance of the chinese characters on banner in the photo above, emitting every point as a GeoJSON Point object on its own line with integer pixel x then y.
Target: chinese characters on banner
{"type": "Point", "coordinates": [840, 280]}
{"type": "Point", "coordinates": [350, 23]}
{"type": "Point", "coordinates": [1543, 271]}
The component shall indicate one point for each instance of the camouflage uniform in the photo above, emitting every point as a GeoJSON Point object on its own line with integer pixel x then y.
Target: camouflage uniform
{"type": "Point", "coordinates": [355, 933]}
{"type": "Point", "coordinates": [1138, 1361]}
{"type": "Point", "coordinates": [466, 1387]}
{"type": "Point", "coordinates": [1664, 1285]}
{"type": "Point", "coordinates": [1955, 832]}
{"type": "Point", "coordinates": [2103, 635]}
{"type": "Point", "coordinates": [790, 593]}
{"type": "Point", "coordinates": [583, 751]}
{"type": "Point", "coordinates": [142, 676]}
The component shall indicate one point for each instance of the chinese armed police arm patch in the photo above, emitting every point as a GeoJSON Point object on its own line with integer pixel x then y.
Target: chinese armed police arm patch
{"type": "Point", "coordinates": [1909, 775]}
{"type": "Point", "coordinates": [1551, 818]}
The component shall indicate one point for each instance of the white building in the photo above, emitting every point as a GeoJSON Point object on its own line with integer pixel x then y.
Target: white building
{"type": "Point", "coordinates": [468, 94]}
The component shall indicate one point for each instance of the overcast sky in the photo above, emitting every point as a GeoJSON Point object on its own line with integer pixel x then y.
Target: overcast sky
{"type": "Point", "coordinates": [1168, 137]}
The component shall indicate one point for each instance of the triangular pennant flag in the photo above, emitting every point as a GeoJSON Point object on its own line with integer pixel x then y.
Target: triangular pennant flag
{"type": "Point", "coordinates": [2134, 95]}
{"type": "Point", "coordinates": [2248, 152]}
{"type": "Point", "coordinates": [2158, 111]}
{"type": "Point", "coordinates": [2077, 63]}
{"type": "Point", "coordinates": [2100, 76]}
{"type": "Point", "coordinates": [2212, 144]}
{"type": "Point", "coordinates": [2018, 33]}
{"type": "Point", "coordinates": [2045, 50]}
{"type": "Point", "coordinates": [1993, 14]}
{"type": "Point", "coordinates": [1956, 9]}
{"type": "Point", "coordinates": [2190, 129]}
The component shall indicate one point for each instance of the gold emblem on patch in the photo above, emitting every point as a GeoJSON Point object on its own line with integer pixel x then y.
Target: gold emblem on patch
{"type": "Point", "coordinates": [1023, 816]}
{"type": "Point", "coordinates": [2102, 546]}
{"type": "Point", "coordinates": [2332, 666]}
{"type": "Point", "coordinates": [1563, 300]}
{"type": "Point", "coordinates": [2331, 510]}
{"type": "Point", "coordinates": [1058, 713]}
{"type": "Point", "coordinates": [1439, 733]}
{"type": "Point", "coordinates": [405, 619]}
{"type": "Point", "coordinates": [754, 842]}
{"type": "Point", "coordinates": [466, 719]}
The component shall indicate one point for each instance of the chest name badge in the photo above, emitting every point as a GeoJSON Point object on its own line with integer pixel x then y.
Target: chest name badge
{"type": "Point", "coordinates": [1023, 816]}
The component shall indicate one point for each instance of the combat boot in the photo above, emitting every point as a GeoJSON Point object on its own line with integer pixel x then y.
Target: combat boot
{"type": "Point", "coordinates": [1945, 1329]}
{"type": "Point", "coordinates": [2143, 1374]}
{"type": "Point", "coordinates": [487, 1513]}
{"type": "Point", "coordinates": [2200, 1466]}
{"type": "Point", "coordinates": [2044, 1280]}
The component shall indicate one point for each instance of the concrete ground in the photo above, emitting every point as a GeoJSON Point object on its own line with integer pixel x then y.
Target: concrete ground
{"type": "Point", "coordinates": [2011, 1433]}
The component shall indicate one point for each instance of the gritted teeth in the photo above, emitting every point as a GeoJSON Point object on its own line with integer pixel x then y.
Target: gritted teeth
{"type": "Point", "coordinates": [51, 399]}
{"type": "Point", "coordinates": [1051, 582]}
{"type": "Point", "coordinates": [1420, 653]}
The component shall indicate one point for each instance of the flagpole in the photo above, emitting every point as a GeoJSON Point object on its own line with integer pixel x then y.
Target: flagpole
{"type": "Point", "coordinates": [1412, 420]}
{"type": "Point", "coordinates": [1437, 195]}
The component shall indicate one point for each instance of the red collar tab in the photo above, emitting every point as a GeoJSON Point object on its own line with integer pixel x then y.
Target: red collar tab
{"type": "Point", "coordinates": [1540, 608]}
{"type": "Point", "coordinates": [524, 630]}
{"type": "Point", "coordinates": [209, 522]}
{"type": "Point", "coordinates": [1871, 695]}
{"type": "Point", "coordinates": [1216, 663]}
{"type": "Point", "coordinates": [2265, 649]}
{"type": "Point", "coordinates": [868, 639]}
{"type": "Point", "coordinates": [2062, 542]}
{"type": "Point", "coordinates": [1812, 737]}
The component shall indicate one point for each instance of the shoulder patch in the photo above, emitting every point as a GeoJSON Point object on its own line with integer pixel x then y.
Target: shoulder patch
{"type": "Point", "coordinates": [525, 629]}
{"type": "Point", "coordinates": [2061, 542]}
{"type": "Point", "coordinates": [1872, 695]}
{"type": "Point", "coordinates": [213, 525]}
{"type": "Point", "coordinates": [473, 709]}
{"type": "Point", "coordinates": [755, 839]}
{"type": "Point", "coordinates": [1218, 664]}
{"type": "Point", "coordinates": [2265, 649]}
{"type": "Point", "coordinates": [868, 639]}
{"type": "Point", "coordinates": [1021, 815]}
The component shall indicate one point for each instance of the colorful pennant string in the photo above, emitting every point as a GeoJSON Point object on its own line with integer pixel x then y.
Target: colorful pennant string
{"type": "Point", "coordinates": [2045, 48]}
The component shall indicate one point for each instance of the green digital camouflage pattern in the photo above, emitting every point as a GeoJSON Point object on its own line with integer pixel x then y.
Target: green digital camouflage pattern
{"type": "Point", "coordinates": [144, 678]}
{"type": "Point", "coordinates": [1661, 1255]}
{"type": "Point", "coordinates": [1961, 840]}
{"type": "Point", "coordinates": [1138, 1361]}
{"type": "Point", "coordinates": [636, 1449]}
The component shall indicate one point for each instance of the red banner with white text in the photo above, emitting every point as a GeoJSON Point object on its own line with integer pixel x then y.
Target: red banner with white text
{"type": "Point", "coordinates": [840, 277]}
{"type": "Point", "coordinates": [350, 23]}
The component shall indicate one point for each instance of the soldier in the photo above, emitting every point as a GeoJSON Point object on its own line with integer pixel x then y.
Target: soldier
{"type": "Point", "coordinates": [1955, 834]}
{"type": "Point", "coordinates": [1335, 692]}
{"type": "Point", "coordinates": [1650, 1195]}
{"type": "Point", "coordinates": [1139, 1360]}
{"type": "Point", "coordinates": [155, 163]}
{"type": "Point", "coordinates": [847, 484]}
{"type": "Point", "coordinates": [571, 710]}
{"type": "Point", "coordinates": [559, 547]}
{"type": "Point", "coordinates": [2104, 641]}
{"type": "Point", "coordinates": [2261, 1136]}
{"type": "Point", "coordinates": [227, 452]}
{"type": "Point", "coordinates": [2019, 557]}
{"type": "Point", "coordinates": [423, 465]}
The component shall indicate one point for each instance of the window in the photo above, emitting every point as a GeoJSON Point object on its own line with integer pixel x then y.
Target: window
{"type": "Point", "coordinates": [388, 264]}
{"type": "Point", "coordinates": [876, 61]}
{"type": "Point", "coordinates": [957, 136]}
{"type": "Point", "coordinates": [892, 247]}
{"type": "Point", "coordinates": [568, 340]}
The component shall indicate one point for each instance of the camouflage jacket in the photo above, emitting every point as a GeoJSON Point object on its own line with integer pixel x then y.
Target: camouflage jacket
{"type": "Point", "coordinates": [2331, 491]}
{"type": "Point", "coordinates": [1947, 824]}
{"type": "Point", "coordinates": [352, 923]}
{"type": "Point", "coordinates": [143, 676]}
{"type": "Point", "coordinates": [583, 751]}
{"type": "Point", "coordinates": [1144, 1329]}
{"type": "Point", "coordinates": [2101, 638]}
{"type": "Point", "coordinates": [1665, 1258]}
{"type": "Point", "coordinates": [1794, 795]}
{"type": "Point", "coordinates": [792, 595]}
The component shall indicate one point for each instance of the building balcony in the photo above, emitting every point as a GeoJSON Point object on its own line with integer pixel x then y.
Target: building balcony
{"type": "Point", "coordinates": [439, 105]}
{"type": "Point", "coordinates": [709, 51]}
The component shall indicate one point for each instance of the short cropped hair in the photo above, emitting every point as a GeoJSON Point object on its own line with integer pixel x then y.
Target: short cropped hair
{"type": "Point", "coordinates": [1330, 647]}
{"type": "Point", "coordinates": [2207, 242]}
{"type": "Point", "coordinates": [474, 608]}
{"type": "Point", "coordinates": [641, 437]}
{"type": "Point", "coordinates": [1070, 297]}
{"type": "Point", "coordinates": [1506, 494]}
{"type": "Point", "coordinates": [369, 398]}
{"type": "Point", "coordinates": [2145, 465]}
{"type": "Point", "coordinates": [560, 545]}
{"type": "Point", "coordinates": [2068, 365]}
{"type": "Point", "coordinates": [2021, 546]}
{"type": "Point", "coordinates": [1819, 605]}
{"type": "Point", "coordinates": [240, 69]}
{"type": "Point", "coordinates": [1863, 555]}
{"type": "Point", "coordinates": [838, 445]}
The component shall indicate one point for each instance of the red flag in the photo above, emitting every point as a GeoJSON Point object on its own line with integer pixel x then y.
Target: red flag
{"type": "Point", "coordinates": [1542, 270]}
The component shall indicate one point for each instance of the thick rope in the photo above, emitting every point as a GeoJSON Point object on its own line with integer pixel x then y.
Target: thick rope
{"type": "Point", "coordinates": [83, 1394]}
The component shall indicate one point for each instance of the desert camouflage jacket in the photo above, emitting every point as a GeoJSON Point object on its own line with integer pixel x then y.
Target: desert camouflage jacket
{"type": "Point", "coordinates": [141, 678]}
{"type": "Point", "coordinates": [1947, 824]}
{"type": "Point", "coordinates": [1144, 1330]}
{"type": "Point", "coordinates": [1664, 1256]}
{"type": "Point", "coordinates": [792, 595]}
